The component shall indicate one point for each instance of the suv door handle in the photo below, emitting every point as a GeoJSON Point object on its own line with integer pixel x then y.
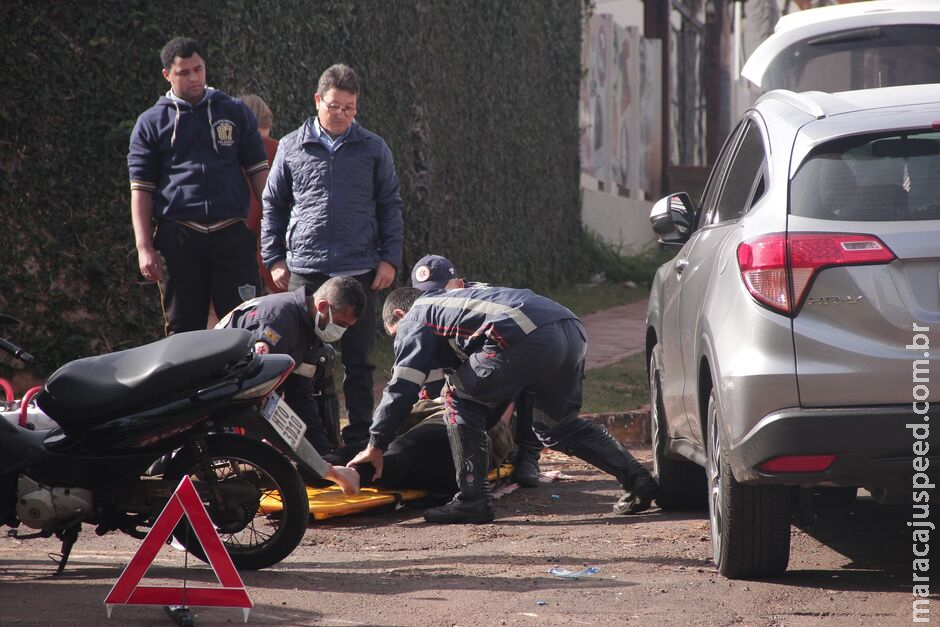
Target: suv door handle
{"type": "Point", "coordinates": [681, 265]}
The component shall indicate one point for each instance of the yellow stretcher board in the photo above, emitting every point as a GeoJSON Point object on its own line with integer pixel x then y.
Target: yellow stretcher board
{"type": "Point", "coordinates": [331, 502]}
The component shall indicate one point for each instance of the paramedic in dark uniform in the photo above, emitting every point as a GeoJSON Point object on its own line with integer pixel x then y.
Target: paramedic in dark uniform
{"type": "Point", "coordinates": [293, 324]}
{"type": "Point", "coordinates": [493, 343]}
{"type": "Point", "coordinates": [432, 273]}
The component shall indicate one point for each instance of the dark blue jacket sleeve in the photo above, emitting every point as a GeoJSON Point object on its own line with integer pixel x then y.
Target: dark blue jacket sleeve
{"type": "Point", "coordinates": [143, 159]}
{"type": "Point", "coordinates": [415, 353]}
{"type": "Point", "coordinates": [277, 201]}
{"type": "Point", "coordinates": [388, 206]}
{"type": "Point", "coordinates": [251, 154]}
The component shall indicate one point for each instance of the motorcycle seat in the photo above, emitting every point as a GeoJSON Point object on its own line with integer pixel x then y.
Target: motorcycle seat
{"type": "Point", "coordinates": [116, 382]}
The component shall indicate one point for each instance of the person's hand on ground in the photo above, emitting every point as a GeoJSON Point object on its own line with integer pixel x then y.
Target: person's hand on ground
{"type": "Point", "coordinates": [346, 478]}
{"type": "Point", "coordinates": [384, 275]}
{"type": "Point", "coordinates": [280, 274]}
{"type": "Point", "coordinates": [370, 455]}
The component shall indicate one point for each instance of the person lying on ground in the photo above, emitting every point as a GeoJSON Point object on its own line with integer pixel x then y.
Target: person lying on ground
{"type": "Point", "coordinates": [420, 458]}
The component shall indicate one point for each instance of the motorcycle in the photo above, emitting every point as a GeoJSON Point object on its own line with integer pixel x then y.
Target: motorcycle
{"type": "Point", "coordinates": [132, 423]}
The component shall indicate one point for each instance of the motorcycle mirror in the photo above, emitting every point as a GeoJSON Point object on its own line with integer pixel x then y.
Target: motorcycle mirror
{"type": "Point", "coordinates": [8, 321]}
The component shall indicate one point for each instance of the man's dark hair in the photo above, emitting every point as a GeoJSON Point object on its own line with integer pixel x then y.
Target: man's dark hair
{"type": "Point", "coordinates": [341, 292]}
{"type": "Point", "coordinates": [402, 298]}
{"type": "Point", "coordinates": [182, 47]}
{"type": "Point", "coordinates": [339, 76]}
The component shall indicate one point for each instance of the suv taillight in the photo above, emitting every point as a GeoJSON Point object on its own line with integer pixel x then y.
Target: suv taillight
{"type": "Point", "coordinates": [777, 269]}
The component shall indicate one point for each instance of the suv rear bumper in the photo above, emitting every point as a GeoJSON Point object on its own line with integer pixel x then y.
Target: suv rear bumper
{"type": "Point", "coordinates": [872, 445]}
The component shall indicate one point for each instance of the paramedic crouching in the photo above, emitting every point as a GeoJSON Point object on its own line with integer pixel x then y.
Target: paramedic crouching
{"type": "Point", "coordinates": [494, 342]}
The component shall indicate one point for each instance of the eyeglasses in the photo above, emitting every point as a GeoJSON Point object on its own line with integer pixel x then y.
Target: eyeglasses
{"type": "Point", "coordinates": [347, 110]}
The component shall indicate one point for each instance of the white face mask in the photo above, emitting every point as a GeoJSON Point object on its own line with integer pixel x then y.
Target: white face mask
{"type": "Point", "coordinates": [332, 332]}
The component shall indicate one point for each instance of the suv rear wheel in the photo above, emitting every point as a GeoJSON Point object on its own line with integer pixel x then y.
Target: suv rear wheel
{"type": "Point", "coordinates": [681, 482]}
{"type": "Point", "coordinates": [750, 524]}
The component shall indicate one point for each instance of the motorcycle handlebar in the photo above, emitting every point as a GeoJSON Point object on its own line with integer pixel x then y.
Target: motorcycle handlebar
{"type": "Point", "coordinates": [15, 350]}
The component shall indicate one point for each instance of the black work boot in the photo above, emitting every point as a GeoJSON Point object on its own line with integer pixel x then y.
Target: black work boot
{"type": "Point", "coordinates": [639, 498]}
{"type": "Point", "coordinates": [525, 470]}
{"type": "Point", "coordinates": [600, 449]}
{"type": "Point", "coordinates": [472, 503]}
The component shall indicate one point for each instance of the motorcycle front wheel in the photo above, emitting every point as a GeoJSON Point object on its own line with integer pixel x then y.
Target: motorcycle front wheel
{"type": "Point", "coordinates": [239, 473]}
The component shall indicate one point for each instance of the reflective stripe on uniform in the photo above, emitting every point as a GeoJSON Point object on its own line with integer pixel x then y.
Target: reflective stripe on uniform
{"type": "Point", "coordinates": [306, 370]}
{"type": "Point", "coordinates": [482, 306]}
{"type": "Point", "coordinates": [408, 374]}
{"type": "Point", "coordinates": [227, 318]}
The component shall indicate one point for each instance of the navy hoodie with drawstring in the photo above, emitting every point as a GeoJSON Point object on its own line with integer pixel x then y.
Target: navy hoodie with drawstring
{"type": "Point", "coordinates": [191, 158]}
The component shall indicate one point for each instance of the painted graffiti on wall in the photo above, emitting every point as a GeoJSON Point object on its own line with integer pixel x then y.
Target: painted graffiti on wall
{"type": "Point", "coordinates": [620, 112]}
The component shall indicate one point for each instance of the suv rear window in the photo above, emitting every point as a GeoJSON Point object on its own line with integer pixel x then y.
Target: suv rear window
{"type": "Point", "coordinates": [884, 177]}
{"type": "Point", "coordinates": [877, 56]}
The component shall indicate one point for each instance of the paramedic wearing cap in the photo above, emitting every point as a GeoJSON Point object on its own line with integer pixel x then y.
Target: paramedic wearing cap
{"type": "Point", "coordinates": [495, 342]}
{"type": "Point", "coordinates": [297, 325]}
{"type": "Point", "coordinates": [188, 160]}
{"type": "Point", "coordinates": [332, 207]}
{"type": "Point", "coordinates": [433, 272]}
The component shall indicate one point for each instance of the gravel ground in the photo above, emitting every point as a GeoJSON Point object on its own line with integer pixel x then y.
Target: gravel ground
{"type": "Point", "coordinates": [391, 568]}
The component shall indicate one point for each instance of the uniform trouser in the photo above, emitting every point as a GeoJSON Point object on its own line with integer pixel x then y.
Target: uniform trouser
{"type": "Point", "coordinates": [549, 362]}
{"type": "Point", "coordinates": [355, 347]}
{"type": "Point", "coordinates": [201, 267]}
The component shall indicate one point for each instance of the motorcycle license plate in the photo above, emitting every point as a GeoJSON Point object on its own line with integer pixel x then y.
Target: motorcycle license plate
{"type": "Point", "coordinates": [284, 420]}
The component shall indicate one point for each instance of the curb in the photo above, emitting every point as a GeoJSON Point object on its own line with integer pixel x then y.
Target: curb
{"type": "Point", "coordinates": [631, 426]}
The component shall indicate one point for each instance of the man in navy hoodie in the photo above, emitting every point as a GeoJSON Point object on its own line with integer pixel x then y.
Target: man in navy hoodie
{"type": "Point", "coordinates": [188, 158]}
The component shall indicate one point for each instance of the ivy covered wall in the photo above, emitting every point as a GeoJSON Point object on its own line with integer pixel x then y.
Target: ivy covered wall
{"type": "Point", "coordinates": [476, 98]}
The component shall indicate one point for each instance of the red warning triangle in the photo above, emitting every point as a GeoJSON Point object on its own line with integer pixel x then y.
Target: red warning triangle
{"type": "Point", "coordinates": [185, 500]}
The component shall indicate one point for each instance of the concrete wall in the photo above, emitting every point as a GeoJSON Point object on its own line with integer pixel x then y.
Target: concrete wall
{"type": "Point", "coordinates": [620, 221]}
{"type": "Point", "coordinates": [620, 124]}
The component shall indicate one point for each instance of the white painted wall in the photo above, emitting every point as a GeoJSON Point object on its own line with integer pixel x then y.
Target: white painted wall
{"type": "Point", "coordinates": [619, 221]}
{"type": "Point", "coordinates": [623, 221]}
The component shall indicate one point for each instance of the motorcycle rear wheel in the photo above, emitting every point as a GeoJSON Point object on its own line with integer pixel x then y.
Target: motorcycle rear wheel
{"type": "Point", "coordinates": [245, 471]}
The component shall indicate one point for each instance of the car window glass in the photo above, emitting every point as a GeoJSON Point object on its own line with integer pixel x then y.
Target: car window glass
{"type": "Point", "coordinates": [713, 185]}
{"type": "Point", "coordinates": [862, 58]}
{"type": "Point", "coordinates": [885, 177]}
{"type": "Point", "coordinates": [742, 181]}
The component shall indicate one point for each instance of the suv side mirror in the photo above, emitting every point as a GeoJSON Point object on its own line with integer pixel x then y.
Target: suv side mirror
{"type": "Point", "coordinates": [671, 219]}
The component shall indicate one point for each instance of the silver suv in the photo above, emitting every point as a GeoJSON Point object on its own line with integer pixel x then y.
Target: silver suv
{"type": "Point", "coordinates": [789, 339]}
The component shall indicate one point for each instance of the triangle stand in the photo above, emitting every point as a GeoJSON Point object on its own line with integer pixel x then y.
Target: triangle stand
{"type": "Point", "coordinates": [128, 591]}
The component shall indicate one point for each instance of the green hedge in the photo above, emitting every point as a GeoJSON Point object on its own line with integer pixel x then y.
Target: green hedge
{"type": "Point", "coordinates": [477, 99]}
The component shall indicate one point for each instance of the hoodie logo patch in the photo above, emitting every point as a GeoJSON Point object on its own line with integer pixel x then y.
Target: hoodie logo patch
{"type": "Point", "coordinates": [224, 132]}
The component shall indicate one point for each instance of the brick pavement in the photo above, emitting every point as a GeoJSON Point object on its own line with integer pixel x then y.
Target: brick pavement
{"type": "Point", "coordinates": [615, 333]}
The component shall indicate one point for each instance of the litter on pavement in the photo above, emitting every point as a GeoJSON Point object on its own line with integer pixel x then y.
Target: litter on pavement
{"type": "Point", "coordinates": [574, 574]}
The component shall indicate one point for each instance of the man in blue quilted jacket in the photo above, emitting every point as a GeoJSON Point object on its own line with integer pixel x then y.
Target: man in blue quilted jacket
{"type": "Point", "coordinates": [332, 207]}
